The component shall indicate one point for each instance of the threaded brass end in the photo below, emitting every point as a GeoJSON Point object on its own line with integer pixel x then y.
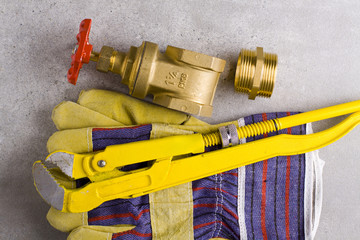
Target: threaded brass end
{"type": "Point", "coordinates": [255, 73]}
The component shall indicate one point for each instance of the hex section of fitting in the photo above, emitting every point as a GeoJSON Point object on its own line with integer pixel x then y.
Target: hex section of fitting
{"type": "Point", "coordinates": [196, 59]}
{"type": "Point", "coordinates": [256, 73]}
{"type": "Point", "coordinates": [104, 59]}
{"type": "Point", "coordinates": [183, 105]}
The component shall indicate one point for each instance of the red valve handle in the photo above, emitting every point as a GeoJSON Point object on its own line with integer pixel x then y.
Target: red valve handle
{"type": "Point", "coordinates": [82, 51]}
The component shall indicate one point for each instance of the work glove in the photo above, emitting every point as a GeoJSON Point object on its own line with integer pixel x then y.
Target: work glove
{"type": "Point", "coordinates": [279, 198]}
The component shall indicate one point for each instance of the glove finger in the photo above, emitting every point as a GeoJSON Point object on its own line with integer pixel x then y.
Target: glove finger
{"type": "Point", "coordinates": [69, 115]}
{"type": "Point", "coordinates": [97, 232]}
{"type": "Point", "coordinates": [65, 222]}
{"type": "Point", "coordinates": [83, 140]}
{"type": "Point", "coordinates": [80, 140]}
{"type": "Point", "coordinates": [73, 140]}
{"type": "Point", "coordinates": [131, 111]}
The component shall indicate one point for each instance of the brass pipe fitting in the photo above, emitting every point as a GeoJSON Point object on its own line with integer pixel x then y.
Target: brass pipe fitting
{"type": "Point", "coordinates": [255, 73]}
{"type": "Point", "coordinates": [179, 79]}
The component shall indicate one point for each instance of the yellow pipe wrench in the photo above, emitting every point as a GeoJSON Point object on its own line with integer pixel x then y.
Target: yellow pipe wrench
{"type": "Point", "coordinates": [178, 159]}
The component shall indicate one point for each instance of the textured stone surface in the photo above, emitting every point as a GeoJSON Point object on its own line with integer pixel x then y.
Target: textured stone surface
{"type": "Point", "coordinates": [317, 44]}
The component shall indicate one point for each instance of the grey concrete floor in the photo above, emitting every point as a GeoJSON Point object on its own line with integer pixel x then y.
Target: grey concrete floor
{"type": "Point", "coordinates": [318, 47]}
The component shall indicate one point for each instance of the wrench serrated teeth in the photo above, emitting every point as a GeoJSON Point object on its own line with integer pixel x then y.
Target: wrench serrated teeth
{"type": "Point", "coordinates": [47, 186]}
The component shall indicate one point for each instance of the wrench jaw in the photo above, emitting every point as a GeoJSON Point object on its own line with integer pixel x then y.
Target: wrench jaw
{"type": "Point", "coordinates": [63, 160]}
{"type": "Point", "coordinates": [48, 188]}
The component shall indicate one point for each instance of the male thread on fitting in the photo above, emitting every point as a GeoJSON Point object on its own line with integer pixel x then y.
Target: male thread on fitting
{"type": "Point", "coordinates": [255, 73]}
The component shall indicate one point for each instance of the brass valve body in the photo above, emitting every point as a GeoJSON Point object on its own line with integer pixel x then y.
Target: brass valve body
{"type": "Point", "coordinates": [179, 79]}
{"type": "Point", "coordinates": [255, 73]}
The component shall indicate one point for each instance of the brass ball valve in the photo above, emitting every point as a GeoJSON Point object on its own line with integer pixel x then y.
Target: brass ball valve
{"type": "Point", "coordinates": [179, 79]}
